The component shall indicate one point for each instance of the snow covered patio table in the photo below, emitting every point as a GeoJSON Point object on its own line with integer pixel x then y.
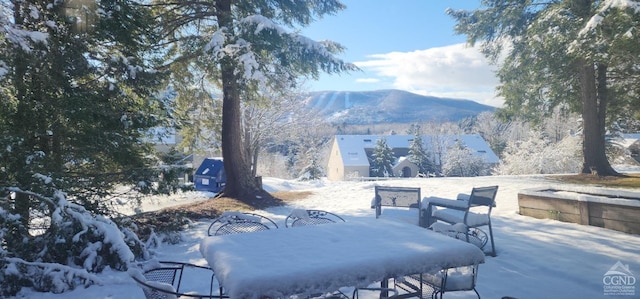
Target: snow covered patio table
{"type": "Point", "coordinates": [323, 258]}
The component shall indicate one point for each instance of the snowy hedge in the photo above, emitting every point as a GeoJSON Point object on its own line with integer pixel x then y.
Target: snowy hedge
{"type": "Point", "coordinates": [538, 155]}
{"type": "Point", "coordinates": [75, 245]}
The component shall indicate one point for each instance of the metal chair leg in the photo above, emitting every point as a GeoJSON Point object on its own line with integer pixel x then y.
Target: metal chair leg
{"type": "Point", "coordinates": [493, 246]}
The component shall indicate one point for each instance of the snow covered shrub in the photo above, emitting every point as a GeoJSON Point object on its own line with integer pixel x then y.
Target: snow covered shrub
{"type": "Point", "coordinates": [92, 241]}
{"type": "Point", "coordinates": [459, 161]}
{"type": "Point", "coordinates": [10, 281]}
{"type": "Point", "coordinates": [538, 155]}
{"type": "Point", "coordinates": [45, 277]}
{"type": "Point", "coordinates": [313, 171]}
{"type": "Point", "coordinates": [139, 248]}
{"type": "Point", "coordinates": [564, 156]}
{"type": "Point", "coordinates": [76, 244]}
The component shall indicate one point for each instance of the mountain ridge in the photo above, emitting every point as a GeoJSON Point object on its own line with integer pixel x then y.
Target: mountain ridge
{"type": "Point", "coordinates": [389, 106]}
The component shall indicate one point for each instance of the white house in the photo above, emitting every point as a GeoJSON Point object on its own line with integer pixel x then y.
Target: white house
{"type": "Point", "coordinates": [349, 157]}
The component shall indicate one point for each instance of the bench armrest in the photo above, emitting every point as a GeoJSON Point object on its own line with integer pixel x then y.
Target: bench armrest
{"type": "Point", "coordinates": [463, 196]}
{"type": "Point", "coordinates": [457, 204]}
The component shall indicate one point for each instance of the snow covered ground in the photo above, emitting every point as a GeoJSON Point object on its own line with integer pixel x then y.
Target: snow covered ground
{"type": "Point", "coordinates": [536, 258]}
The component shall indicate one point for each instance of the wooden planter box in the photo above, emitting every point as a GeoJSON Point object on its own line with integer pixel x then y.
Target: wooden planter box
{"type": "Point", "coordinates": [608, 208]}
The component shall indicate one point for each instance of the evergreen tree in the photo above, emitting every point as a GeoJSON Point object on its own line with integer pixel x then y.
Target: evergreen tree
{"type": "Point", "coordinates": [313, 170]}
{"type": "Point", "coordinates": [247, 48]}
{"type": "Point", "coordinates": [78, 100]}
{"type": "Point", "coordinates": [583, 53]}
{"type": "Point", "coordinates": [382, 160]}
{"type": "Point", "coordinates": [196, 113]}
{"type": "Point", "coordinates": [419, 156]}
{"type": "Point", "coordinates": [81, 97]}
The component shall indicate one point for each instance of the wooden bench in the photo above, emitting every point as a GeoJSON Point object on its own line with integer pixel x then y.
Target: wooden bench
{"type": "Point", "coordinates": [386, 196]}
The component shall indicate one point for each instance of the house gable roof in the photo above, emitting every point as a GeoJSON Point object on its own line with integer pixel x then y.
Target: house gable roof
{"type": "Point", "coordinates": [353, 147]}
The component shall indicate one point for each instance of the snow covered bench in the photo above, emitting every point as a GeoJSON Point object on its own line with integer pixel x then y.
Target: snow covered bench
{"type": "Point", "coordinates": [386, 196]}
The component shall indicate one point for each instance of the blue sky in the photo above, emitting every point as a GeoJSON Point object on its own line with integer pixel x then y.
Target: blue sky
{"type": "Point", "coordinates": [408, 45]}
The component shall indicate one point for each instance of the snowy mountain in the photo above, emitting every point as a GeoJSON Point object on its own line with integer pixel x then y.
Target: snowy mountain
{"type": "Point", "coordinates": [389, 106]}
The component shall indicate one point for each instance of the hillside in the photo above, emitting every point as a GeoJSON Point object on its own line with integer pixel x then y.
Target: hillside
{"type": "Point", "coordinates": [389, 106]}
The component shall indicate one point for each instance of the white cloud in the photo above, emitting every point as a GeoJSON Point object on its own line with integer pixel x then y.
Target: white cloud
{"type": "Point", "coordinates": [367, 80]}
{"type": "Point", "coordinates": [454, 71]}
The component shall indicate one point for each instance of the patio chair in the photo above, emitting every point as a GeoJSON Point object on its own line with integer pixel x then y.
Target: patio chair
{"type": "Point", "coordinates": [239, 222]}
{"type": "Point", "coordinates": [300, 217]}
{"type": "Point", "coordinates": [452, 280]}
{"type": "Point", "coordinates": [473, 211]}
{"type": "Point", "coordinates": [166, 281]}
{"type": "Point", "coordinates": [430, 285]}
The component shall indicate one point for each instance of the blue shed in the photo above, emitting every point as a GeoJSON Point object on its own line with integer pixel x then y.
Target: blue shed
{"type": "Point", "coordinates": [210, 176]}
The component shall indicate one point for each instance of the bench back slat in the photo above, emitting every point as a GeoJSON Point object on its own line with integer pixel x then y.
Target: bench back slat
{"type": "Point", "coordinates": [407, 197]}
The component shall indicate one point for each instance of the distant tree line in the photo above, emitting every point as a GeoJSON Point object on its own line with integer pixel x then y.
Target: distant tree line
{"type": "Point", "coordinates": [550, 146]}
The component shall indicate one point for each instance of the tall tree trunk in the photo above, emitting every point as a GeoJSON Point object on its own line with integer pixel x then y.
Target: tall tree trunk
{"type": "Point", "coordinates": [593, 90]}
{"type": "Point", "coordinates": [594, 104]}
{"type": "Point", "coordinates": [241, 184]}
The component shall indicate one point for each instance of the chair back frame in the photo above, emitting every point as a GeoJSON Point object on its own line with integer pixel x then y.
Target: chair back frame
{"type": "Point", "coordinates": [314, 217]}
{"type": "Point", "coordinates": [483, 196]}
{"type": "Point", "coordinates": [239, 222]}
{"type": "Point", "coordinates": [171, 273]}
{"type": "Point", "coordinates": [443, 288]}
